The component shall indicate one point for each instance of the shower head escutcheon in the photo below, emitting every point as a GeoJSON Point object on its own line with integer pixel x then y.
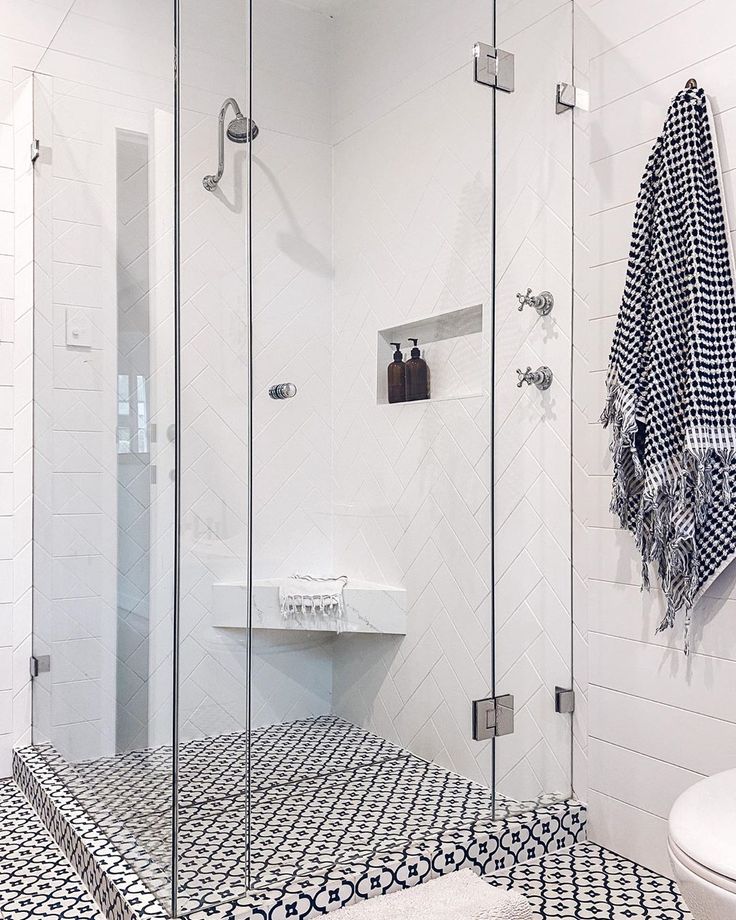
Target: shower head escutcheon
{"type": "Point", "coordinates": [241, 130]}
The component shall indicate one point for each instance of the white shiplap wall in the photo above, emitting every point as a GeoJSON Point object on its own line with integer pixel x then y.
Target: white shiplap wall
{"type": "Point", "coordinates": [656, 721]}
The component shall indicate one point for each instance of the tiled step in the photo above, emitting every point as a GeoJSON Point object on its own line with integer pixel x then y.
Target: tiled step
{"type": "Point", "coordinates": [379, 820]}
{"type": "Point", "coordinates": [36, 879]}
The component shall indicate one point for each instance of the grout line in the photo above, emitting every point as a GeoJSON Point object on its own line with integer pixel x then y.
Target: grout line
{"type": "Point", "coordinates": [668, 76]}
{"type": "Point", "coordinates": [646, 699]}
{"type": "Point", "coordinates": [651, 28]}
{"type": "Point", "coordinates": [663, 645]}
{"type": "Point", "coordinates": [661, 760]}
{"type": "Point", "coordinates": [614, 798]}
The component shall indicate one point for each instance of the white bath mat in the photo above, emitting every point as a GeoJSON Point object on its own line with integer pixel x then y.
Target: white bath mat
{"type": "Point", "coordinates": [458, 896]}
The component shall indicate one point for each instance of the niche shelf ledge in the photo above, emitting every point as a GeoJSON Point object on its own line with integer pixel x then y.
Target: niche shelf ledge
{"type": "Point", "coordinates": [370, 608]}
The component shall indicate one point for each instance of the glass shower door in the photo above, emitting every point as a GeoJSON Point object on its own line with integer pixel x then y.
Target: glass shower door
{"type": "Point", "coordinates": [214, 389]}
{"type": "Point", "coordinates": [533, 424]}
{"type": "Point", "coordinates": [371, 200]}
{"type": "Point", "coordinates": [100, 221]}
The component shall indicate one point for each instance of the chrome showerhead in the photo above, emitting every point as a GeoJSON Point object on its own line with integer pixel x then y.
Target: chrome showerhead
{"type": "Point", "coordinates": [242, 130]}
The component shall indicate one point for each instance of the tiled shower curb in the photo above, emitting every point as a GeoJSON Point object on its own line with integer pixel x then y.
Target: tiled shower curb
{"type": "Point", "coordinates": [105, 873]}
{"type": "Point", "coordinates": [121, 895]}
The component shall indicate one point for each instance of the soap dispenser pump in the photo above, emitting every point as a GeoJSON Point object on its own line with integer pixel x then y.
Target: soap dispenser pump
{"type": "Point", "coordinates": [397, 376]}
{"type": "Point", "coordinates": [417, 375]}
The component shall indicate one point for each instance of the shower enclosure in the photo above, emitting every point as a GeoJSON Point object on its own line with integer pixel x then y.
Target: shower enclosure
{"type": "Point", "coordinates": [311, 182]}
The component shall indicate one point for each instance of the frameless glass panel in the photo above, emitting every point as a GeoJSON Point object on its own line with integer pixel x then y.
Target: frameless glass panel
{"type": "Point", "coordinates": [338, 192]}
{"type": "Point", "coordinates": [371, 224]}
{"type": "Point", "coordinates": [103, 407]}
{"type": "Point", "coordinates": [215, 371]}
{"type": "Point", "coordinates": [534, 246]}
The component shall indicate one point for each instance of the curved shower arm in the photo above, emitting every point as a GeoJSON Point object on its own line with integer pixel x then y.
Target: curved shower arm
{"type": "Point", "coordinates": [210, 182]}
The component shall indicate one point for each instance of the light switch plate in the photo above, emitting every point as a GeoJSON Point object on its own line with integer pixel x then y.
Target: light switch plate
{"type": "Point", "coordinates": [78, 328]}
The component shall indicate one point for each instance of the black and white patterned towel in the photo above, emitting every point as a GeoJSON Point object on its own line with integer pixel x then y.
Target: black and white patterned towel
{"type": "Point", "coordinates": [671, 380]}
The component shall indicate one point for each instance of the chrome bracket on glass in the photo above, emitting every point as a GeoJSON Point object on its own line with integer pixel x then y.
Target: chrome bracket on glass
{"type": "Point", "coordinates": [493, 717]}
{"type": "Point", "coordinates": [568, 96]}
{"type": "Point", "coordinates": [564, 700]}
{"type": "Point", "coordinates": [493, 67]}
{"type": "Point", "coordinates": [39, 664]}
{"type": "Point", "coordinates": [282, 391]}
{"type": "Point", "coordinates": [35, 149]}
{"type": "Point", "coordinates": [542, 303]}
{"type": "Point", "coordinates": [541, 378]}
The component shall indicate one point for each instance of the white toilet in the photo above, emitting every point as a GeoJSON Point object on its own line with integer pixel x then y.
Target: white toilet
{"type": "Point", "coordinates": [702, 844]}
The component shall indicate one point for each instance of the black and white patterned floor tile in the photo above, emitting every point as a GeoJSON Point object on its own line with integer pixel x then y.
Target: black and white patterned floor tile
{"type": "Point", "coordinates": [584, 882]}
{"type": "Point", "coordinates": [334, 811]}
{"type": "Point", "coordinates": [587, 882]}
{"type": "Point", "coordinates": [36, 879]}
{"type": "Point", "coordinates": [213, 769]}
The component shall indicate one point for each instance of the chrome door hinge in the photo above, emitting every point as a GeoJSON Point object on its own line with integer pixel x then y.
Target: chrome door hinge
{"type": "Point", "coordinates": [39, 664]}
{"type": "Point", "coordinates": [564, 700]}
{"type": "Point", "coordinates": [493, 67]}
{"type": "Point", "coordinates": [35, 149]}
{"type": "Point", "coordinates": [568, 96]}
{"type": "Point", "coordinates": [493, 717]}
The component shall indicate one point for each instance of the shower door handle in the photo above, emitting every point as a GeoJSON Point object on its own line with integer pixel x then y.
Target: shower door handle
{"type": "Point", "coordinates": [282, 391]}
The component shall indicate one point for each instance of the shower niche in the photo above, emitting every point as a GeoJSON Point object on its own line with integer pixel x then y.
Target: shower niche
{"type": "Point", "coordinates": [452, 344]}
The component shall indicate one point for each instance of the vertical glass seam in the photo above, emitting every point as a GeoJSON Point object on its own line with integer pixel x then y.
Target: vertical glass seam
{"type": "Point", "coordinates": [177, 470]}
{"type": "Point", "coordinates": [492, 407]}
{"type": "Point", "coordinates": [572, 397]}
{"type": "Point", "coordinates": [248, 198]}
{"type": "Point", "coordinates": [34, 408]}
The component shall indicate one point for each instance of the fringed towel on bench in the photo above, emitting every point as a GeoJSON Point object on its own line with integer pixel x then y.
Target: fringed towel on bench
{"type": "Point", "coordinates": [671, 382]}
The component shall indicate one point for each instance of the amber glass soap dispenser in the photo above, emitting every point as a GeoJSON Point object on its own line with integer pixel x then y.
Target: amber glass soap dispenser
{"type": "Point", "coordinates": [417, 375]}
{"type": "Point", "coordinates": [397, 376]}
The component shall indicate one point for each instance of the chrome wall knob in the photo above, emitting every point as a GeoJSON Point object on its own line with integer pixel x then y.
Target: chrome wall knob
{"type": "Point", "coordinates": [541, 378]}
{"type": "Point", "coordinates": [542, 302]}
{"type": "Point", "coordinates": [282, 391]}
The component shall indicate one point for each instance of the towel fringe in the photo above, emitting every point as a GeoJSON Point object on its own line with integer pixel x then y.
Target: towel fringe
{"type": "Point", "coordinates": [663, 514]}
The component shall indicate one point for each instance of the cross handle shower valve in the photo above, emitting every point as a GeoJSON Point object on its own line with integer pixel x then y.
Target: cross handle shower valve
{"type": "Point", "coordinates": [541, 378]}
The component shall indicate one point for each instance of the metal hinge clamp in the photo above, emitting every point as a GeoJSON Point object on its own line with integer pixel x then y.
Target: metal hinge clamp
{"type": "Point", "coordinates": [568, 96]}
{"type": "Point", "coordinates": [39, 664]}
{"type": "Point", "coordinates": [493, 67]}
{"type": "Point", "coordinates": [564, 700]}
{"type": "Point", "coordinates": [35, 149]}
{"type": "Point", "coordinates": [493, 717]}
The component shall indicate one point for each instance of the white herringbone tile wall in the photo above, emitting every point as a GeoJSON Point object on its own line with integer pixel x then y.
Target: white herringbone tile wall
{"type": "Point", "coordinates": [371, 207]}
{"type": "Point", "coordinates": [23, 40]}
{"type": "Point", "coordinates": [412, 174]}
{"type": "Point", "coordinates": [412, 196]}
{"type": "Point", "coordinates": [657, 721]}
{"type": "Point", "coordinates": [96, 273]}
{"type": "Point", "coordinates": [534, 250]}
{"type": "Point", "coordinates": [292, 281]}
